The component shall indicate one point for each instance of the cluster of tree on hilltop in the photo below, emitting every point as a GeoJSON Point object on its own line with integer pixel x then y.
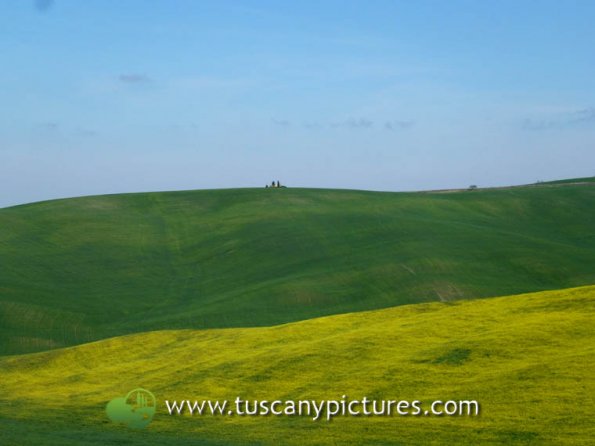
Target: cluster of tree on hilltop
{"type": "Point", "coordinates": [274, 184]}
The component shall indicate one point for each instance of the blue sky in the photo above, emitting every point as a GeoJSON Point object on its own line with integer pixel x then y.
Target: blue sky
{"type": "Point", "coordinates": [107, 96]}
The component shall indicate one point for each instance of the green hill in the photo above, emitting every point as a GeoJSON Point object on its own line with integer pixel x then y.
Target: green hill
{"type": "Point", "coordinates": [528, 360]}
{"type": "Point", "coordinates": [83, 269]}
{"type": "Point", "coordinates": [570, 181]}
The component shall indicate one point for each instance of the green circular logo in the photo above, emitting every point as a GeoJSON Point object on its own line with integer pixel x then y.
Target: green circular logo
{"type": "Point", "coordinates": [135, 410]}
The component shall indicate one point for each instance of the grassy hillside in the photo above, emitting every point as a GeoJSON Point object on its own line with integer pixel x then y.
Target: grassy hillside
{"type": "Point", "coordinates": [88, 268]}
{"type": "Point", "coordinates": [527, 359]}
{"type": "Point", "coordinates": [571, 181]}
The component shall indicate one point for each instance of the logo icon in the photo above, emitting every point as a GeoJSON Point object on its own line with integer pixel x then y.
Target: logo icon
{"type": "Point", "coordinates": [135, 410]}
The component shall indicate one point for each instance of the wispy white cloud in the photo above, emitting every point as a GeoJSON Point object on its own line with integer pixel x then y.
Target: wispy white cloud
{"type": "Point", "coordinates": [354, 123]}
{"type": "Point", "coordinates": [281, 122]}
{"type": "Point", "coordinates": [561, 120]}
{"type": "Point", "coordinates": [396, 125]}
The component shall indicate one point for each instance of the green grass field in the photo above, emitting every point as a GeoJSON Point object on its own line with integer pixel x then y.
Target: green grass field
{"type": "Point", "coordinates": [78, 270]}
{"type": "Point", "coordinates": [571, 180]}
{"type": "Point", "coordinates": [527, 359]}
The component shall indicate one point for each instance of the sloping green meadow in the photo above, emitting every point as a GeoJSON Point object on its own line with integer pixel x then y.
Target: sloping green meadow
{"type": "Point", "coordinates": [527, 359]}
{"type": "Point", "coordinates": [78, 270]}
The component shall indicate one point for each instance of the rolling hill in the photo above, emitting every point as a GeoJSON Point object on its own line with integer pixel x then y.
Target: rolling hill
{"type": "Point", "coordinates": [83, 269]}
{"type": "Point", "coordinates": [528, 360]}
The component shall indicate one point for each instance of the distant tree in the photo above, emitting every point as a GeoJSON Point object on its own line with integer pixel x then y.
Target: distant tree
{"type": "Point", "coordinates": [266, 186]}
{"type": "Point", "coordinates": [473, 187]}
{"type": "Point", "coordinates": [278, 184]}
{"type": "Point", "coordinates": [273, 184]}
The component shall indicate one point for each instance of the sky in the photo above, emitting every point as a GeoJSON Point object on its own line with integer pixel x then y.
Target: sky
{"type": "Point", "coordinates": [109, 96]}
